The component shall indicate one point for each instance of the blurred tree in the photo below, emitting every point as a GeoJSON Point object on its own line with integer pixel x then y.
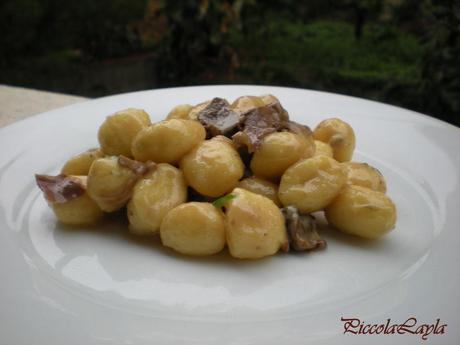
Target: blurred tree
{"type": "Point", "coordinates": [198, 35]}
{"type": "Point", "coordinates": [377, 54]}
{"type": "Point", "coordinates": [441, 64]}
{"type": "Point", "coordinates": [361, 12]}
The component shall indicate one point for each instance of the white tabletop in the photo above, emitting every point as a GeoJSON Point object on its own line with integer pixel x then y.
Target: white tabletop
{"type": "Point", "coordinates": [17, 103]}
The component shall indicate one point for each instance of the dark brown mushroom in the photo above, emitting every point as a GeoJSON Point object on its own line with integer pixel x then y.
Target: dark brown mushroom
{"type": "Point", "coordinates": [301, 231]}
{"type": "Point", "coordinates": [259, 122]}
{"type": "Point", "coordinates": [136, 167]}
{"type": "Point", "coordinates": [299, 129]}
{"type": "Point", "coordinates": [218, 118]}
{"type": "Point", "coordinates": [60, 188]}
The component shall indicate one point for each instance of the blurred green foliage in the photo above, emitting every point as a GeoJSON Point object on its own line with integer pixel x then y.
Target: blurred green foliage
{"type": "Point", "coordinates": [441, 62]}
{"type": "Point", "coordinates": [404, 52]}
{"type": "Point", "coordinates": [325, 55]}
{"type": "Point", "coordinates": [198, 34]}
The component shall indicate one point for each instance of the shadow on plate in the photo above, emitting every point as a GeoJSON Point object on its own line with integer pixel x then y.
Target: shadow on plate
{"type": "Point", "coordinates": [114, 228]}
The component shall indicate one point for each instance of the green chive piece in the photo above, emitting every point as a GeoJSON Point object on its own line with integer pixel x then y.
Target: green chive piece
{"type": "Point", "coordinates": [223, 200]}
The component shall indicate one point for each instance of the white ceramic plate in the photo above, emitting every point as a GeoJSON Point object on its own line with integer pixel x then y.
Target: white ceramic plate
{"type": "Point", "coordinates": [101, 286]}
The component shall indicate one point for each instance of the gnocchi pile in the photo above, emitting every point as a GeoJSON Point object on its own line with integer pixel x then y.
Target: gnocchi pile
{"type": "Point", "coordinates": [239, 175]}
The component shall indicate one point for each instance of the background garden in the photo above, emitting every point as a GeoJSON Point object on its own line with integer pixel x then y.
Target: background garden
{"type": "Point", "coordinates": [403, 52]}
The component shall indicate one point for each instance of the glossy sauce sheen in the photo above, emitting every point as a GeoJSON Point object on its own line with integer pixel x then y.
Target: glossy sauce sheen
{"type": "Point", "coordinates": [311, 184]}
{"type": "Point", "coordinates": [157, 193]}
{"type": "Point", "coordinates": [213, 168]}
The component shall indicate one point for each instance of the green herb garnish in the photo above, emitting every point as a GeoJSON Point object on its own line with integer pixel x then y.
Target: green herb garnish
{"type": "Point", "coordinates": [223, 200]}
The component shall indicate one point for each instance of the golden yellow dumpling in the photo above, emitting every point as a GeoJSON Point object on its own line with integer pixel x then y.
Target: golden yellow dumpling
{"type": "Point", "coordinates": [339, 135]}
{"type": "Point", "coordinates": [268, 99]}
{"type": "Point", "coordinates": [154, 196]}
{"type": "Point", "coordinates": [311, 184]}
{"type": "Point", "coordinates": [110, 184]}
{"type": "Point", "coordinates": [277, 152]}
{"type": "Point", "coordinates": [362, 174]}
{"type": "Point", "coordinates": [118, 131]}
{"type": "Point", "coordinates": [213, 168]}
{"type": "Point", "coordinates": [194, 228]}
{"type": "Point", "coordinates": [245, 103]}
{"type": "Point", "coordinates": [180, 111]}
{"type": "Point", "coordinates": [323, 149]}
{"type": "Point", "coordinates": [80, 164]}
{"type": "Point", "coordinates": [262, 187]}
{"type": "Point", "coordinates": [254, 225]}
{"type": "Point", "coordinates": [167, 141]}
{"type": "Point", "coordinates": [362, 212]}
{"type": "Point", "coordinates": [79, 211]}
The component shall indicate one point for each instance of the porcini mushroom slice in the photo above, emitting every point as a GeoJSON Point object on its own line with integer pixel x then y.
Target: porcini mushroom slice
{"type": "Point", "coordinates": [218, 118]}
{"type": "Point", "coordinates": [301, 230]}
{"type": "Point", "coordinates": [60, 188]}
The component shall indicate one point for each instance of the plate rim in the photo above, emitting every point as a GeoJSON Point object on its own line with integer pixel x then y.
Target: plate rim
{"type": "Point", "coordinates": [418, 116]}
{"type": "Point", "coordinates": [130, 93]}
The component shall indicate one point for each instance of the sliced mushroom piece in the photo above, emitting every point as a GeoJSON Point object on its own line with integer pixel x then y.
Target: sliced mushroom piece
{"type": "Point", "coordinates": [139, 168]}
{"type": "Point", "coordinates": [299, 129]}
{"type": "Point", "coordinates": [60, 188]}
{"type": "Point", "coordinates": [301, 231]}
{"type": "Point", "coordinates": [218, 118]}
{"type": "Point", "coordinates": [259, 122]}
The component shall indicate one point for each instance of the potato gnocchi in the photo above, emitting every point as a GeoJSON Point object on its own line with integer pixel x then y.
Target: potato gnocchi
{"type": "Point", "coordinates": [159, 191]}
{"type": "Point", "coordinates": [221, 174]}
{"type": "Point", "coordinates": [194, 228]}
